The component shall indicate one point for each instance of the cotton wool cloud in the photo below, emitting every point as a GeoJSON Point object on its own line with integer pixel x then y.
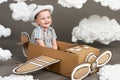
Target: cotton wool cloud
{"type": "Point", "coordinates": [109, 72]}
{"type": "Point", "coordinates": [112, 4]}
{"type": "Point", "coordinates": [1, 1]}
{"type": "Point", "coordinates": [22, 0]}
{"type": "Point", "coordinates": [19, 0]}
{"type": "Point", "coordinates": [22, 11]}
{"type": "Point", "coordinates": [96, 28]}
{"type": "Point", "coordinates": [5, 54]}
{"type": "Point", "coordinates": [72, 3]}
{"type": "Point", "coordinates": [17, 77]}
{"type": "Point", "coordinates": [5, 32]}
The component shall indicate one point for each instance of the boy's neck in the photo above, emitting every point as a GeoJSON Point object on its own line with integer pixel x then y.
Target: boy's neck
{"type": "Point", "coordinates": [44, 28]}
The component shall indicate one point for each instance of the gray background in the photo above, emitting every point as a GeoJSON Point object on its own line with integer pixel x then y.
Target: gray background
{"type": "Point", "coordinates": [64, 19]}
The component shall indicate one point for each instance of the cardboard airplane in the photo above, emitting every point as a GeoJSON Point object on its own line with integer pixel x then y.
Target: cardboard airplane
{"type": "Point", "coordinates": [62, 61]}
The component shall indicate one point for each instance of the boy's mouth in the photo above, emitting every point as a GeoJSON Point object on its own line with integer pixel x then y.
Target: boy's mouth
{"type": "Point", "coordinates": [46, 23]}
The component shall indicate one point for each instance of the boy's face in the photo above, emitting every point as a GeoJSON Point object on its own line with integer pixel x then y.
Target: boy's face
{"type": "Point", "coordinates": [44, 19]}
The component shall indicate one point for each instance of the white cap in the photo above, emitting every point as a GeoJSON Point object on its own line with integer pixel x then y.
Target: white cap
{"type": "Point", "coordinates": [40, 8]}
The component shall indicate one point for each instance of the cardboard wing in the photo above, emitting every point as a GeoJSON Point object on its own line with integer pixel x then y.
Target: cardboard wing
{"type": "Point", "coordinates": [35, 64]}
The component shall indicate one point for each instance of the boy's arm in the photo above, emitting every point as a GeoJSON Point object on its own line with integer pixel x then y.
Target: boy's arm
{"type": "Point", "coordinates": [55, 46]}
{"type": "Point", "coordinates": [40, 42]}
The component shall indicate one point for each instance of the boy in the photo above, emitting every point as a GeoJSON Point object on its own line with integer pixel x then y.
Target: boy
{"type": "Point", "coordinates": [43, 34]}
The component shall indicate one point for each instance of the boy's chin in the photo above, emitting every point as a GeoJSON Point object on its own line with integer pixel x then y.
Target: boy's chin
{"type": "Point", "coordinates": [46, 27]}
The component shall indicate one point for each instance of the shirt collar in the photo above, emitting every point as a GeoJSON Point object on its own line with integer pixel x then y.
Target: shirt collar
{"type": "Point", "coordinates": [49, 28]}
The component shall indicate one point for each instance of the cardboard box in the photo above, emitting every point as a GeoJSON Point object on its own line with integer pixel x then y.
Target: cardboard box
{"type": "Point", "coordinates": [68, 60]}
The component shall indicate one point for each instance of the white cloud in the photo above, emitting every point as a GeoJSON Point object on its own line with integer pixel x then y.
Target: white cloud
{"type": "Point", "coordinates": [96, 28]}
{"type": "Point", "coordinates": [72, 3]}
{"type": "Point", "coordinates": [109, 72]}
{"type": "Point", "coordinates": [5, 32]}
{"type": "Point", "coordinates": [19, 0]}
{"type": "Point", "coordinates": [21, 11]}
{"type": "Point", "coordinates": [112, 4]}
{"type": "Point", "coordinates": [22, 0]}
{"type": "Point", "coordinates": [5, 54]}
{"type": "Point", "coordinates": [17, 77]}
{"type": "Point", "coordinates": [1, 1]}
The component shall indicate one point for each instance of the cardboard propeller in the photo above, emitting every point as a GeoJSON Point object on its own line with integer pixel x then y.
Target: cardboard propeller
{"type": "Point", "coordinates": [82, 70]}
{"type": "Point", "coordinates": [90, 57]}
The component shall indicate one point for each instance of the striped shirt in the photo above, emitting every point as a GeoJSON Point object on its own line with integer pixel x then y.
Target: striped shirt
{"type": "Point", "coordinates": [46, 35]}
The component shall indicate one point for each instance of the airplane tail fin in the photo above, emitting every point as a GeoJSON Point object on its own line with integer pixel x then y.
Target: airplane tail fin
{"type": "Point", "coordinates": [24, 38]}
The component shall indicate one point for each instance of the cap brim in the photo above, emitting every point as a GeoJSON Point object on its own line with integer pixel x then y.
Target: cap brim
{"type": "Point", "coordinates": [40, 8]}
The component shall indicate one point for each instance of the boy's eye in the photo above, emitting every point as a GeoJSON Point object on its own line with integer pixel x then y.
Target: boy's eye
{"type": "Point", "coordinates": [42, 18]}
{"type": "Point", "coordinates": [45, 18]}
{"type": "Point", "coordinates": [49, 17]}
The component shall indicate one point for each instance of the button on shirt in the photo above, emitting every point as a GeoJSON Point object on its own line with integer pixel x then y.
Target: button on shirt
{"type": "Point", "coordinates": [46, 35]}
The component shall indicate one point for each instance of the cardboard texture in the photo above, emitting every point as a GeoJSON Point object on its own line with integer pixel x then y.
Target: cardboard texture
{"type": "Point", "coordinates": [78, 74]}
{"type": "Point", "coordinates": [35, 64]}
{"type": "Point", "coordinates": [68, 60]}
